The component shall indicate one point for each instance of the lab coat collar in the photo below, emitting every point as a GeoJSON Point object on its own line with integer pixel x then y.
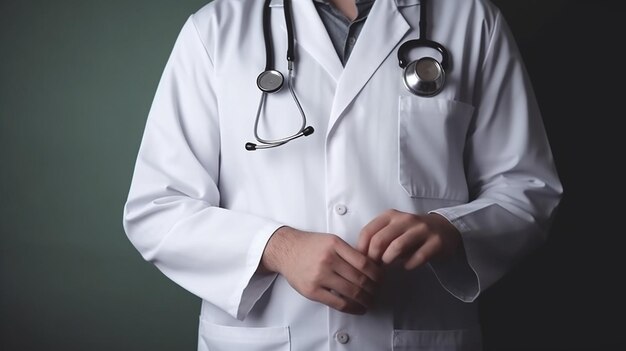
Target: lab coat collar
{"type": "Point", "coordinates": [399, 3]}
{"type": "Point", "coordinates": [311, 35]}
{"type": "Point", "coordinates": [382, 32]}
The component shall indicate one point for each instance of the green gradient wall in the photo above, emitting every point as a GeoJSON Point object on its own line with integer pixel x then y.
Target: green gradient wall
{"type": "Point", "coordinates": [76, 81]}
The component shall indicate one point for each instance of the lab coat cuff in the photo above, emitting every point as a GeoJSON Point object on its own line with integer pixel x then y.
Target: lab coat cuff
{"type": "Point", "coordinates": [455, 273]}
{"type": "Point", "coordinates": [255, 284]}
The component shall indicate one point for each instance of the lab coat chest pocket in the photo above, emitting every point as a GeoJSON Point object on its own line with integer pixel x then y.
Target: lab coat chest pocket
{"type": "Point", "coordinates": [437, 340]}
{"type": "Point", "coordinates": [431, 140]}
{"type": "Point", "coordinates": [215, 337]}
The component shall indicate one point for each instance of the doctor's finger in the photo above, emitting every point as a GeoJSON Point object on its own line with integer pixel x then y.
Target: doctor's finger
{"type": "Point", "coordinates": [356, 277]}
{"type": "Point", "coordinates": [383, 238]}
{"type": "Point", "coordinates": [423, 254]}
{"type": "Point", "coordinates": [348, 290]}
{"type": "Point", "coordinates": [360, 262]}
{"type": "Point", "coordinates": [403, 246]}
{"type": "Point", "coordinates": [370, 229]}
{"type": "Point", "coordinates": [337, 302]}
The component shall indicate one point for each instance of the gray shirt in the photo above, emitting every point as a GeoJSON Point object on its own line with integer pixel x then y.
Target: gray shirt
{"type": "Point", "coordinates": [343, 33]}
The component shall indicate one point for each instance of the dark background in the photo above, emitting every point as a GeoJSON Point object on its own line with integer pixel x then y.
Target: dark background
{"type": "Point", "coordinates": [76, 81]}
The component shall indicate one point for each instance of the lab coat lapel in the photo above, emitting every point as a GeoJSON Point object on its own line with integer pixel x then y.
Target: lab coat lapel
{"type": "Point", "coordinates": [384, 28]}
{"type": "Point", "coordinates": [311, 35]}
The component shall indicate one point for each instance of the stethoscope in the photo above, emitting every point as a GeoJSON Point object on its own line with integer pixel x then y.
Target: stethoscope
{"type": "Point", "coordinates": [271, 80]}
{"type": "Point", "coordinates": [423, 77]}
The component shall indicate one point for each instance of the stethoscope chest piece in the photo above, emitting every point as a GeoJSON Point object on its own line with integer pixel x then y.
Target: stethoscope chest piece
{"type": "Point", "coordinates": [270, 81]}
{"type": "Point", "coordinates": [424, 77]}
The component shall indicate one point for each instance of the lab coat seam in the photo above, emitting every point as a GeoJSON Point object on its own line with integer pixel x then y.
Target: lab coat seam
{"type": "Point", "coordinates": [440, 198]}
{"type": "Point", "coordinates": [453, 218]}
{"type": "Point", "coordinates": [491, 44]}
{"type": "Point", "coordinates": [212, 76]}
{"type": "Point", "coordinates": [199, 37]}
{"type": "Point", "coordinates": [461, 223]}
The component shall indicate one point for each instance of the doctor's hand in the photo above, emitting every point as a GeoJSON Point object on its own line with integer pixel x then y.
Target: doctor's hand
{"type": "Point", "coordinates": [410, 240]}
{"type": "Point", "coordinates": [323, 268]}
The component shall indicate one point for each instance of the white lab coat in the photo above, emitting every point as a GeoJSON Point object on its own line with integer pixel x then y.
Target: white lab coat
{"type": "Point", "coordinates": [201, 207]}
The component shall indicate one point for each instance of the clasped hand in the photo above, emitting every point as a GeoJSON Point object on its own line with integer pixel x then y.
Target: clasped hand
{"type": "Point", "coordinates": [324, 268]}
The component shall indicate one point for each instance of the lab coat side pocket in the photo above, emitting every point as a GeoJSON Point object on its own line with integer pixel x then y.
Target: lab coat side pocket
{"type": "Point", "coordinates": [431, 141]}
{"type": "Point", "coordinates": [213, 337]}
{"type": "Point", "coordinates": [437, 340]}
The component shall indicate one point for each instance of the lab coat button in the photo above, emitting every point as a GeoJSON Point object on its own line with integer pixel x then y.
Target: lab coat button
{"type": "Point", "coordinates": [341, 209]}
{"type": "Point", "coordinates": [342, 337]}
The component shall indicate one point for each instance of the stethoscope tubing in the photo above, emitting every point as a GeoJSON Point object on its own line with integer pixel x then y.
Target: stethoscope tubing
{"type": "Point", "coordinates": [269, 63]}
{"type": "Point", "coordinates": [411, 75]}
{"type": "Point", "coordinates": [284, 140]}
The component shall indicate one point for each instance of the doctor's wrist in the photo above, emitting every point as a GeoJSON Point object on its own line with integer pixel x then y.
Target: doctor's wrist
{"type": "Point", "coordinates": [277, 249]}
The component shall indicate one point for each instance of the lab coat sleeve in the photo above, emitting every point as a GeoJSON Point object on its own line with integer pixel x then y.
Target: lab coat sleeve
{"type": "Point", "coordinates": [172, 214]}
{"type": "Point", "coordinates": [514, 186]}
